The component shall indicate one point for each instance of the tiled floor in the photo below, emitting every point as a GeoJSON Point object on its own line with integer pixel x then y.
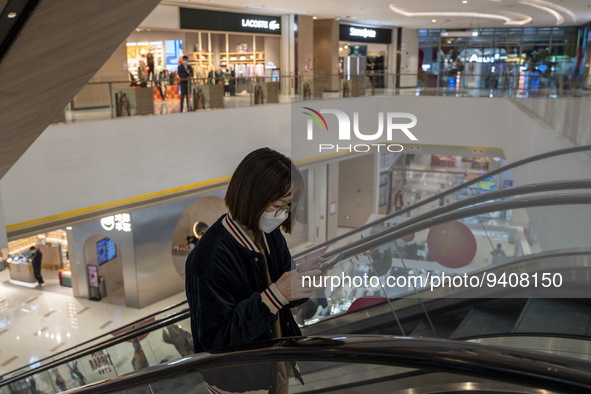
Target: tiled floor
{"type": "Point", "coordinates": [36, 323]}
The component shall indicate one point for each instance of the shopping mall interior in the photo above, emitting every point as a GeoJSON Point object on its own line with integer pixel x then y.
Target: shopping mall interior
{"type": "Point", "coordinates": [468, 208]}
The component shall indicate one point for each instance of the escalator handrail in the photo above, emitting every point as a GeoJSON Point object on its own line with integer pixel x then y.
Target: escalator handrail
{"type": "Point", "coordinates": [469, 202]}
{"type": "Point", "coordinates": [184, 314]}
{"type": "Point", "coordinates": [457, 205]}
{"type": "Point", "coordinates": [509, 365]}
{"type": "Point", "coordinates": [454, 189]}
{"type": "Point", "coordinates": [112, 332]}
{"type": "Point", "coordinates": [425, 221]}
{"type": "Point", "coordinates": [586, 338]}
{"type": "Point", "coordinates": [517, 203]}
{"type": "Point", "coordinates": [145, 329]}
{"type": "Point", "coordinates": [374, 311]}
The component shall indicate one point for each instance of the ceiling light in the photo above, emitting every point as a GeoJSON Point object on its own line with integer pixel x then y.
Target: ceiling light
{"type": "Point", "coordinates": [464, 1]}
{"type": "Point", "coordinates": [12, 15]}
{"type": "Point", "coordinates": [556, 7]}
{"type": "Point", "coordinates": [433, 20]}
{"type": "Point", "coordinates": [314, 17]}
{"type": "Point", "coordinates": [513, 18]}
{"type": "Point", "coordinates": [551, 9]}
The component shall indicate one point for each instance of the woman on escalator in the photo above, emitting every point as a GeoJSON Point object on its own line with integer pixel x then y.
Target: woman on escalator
{"type": "Point", "coordinates": [240, 282]}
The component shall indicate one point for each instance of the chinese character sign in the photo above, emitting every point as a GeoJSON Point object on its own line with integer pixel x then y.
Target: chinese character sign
{"type": "Point", "coordinates": [119, 222]}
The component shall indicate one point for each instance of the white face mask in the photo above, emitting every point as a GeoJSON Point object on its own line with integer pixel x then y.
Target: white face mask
{"type": "Point", "coordinates": [270, 222]}
{"type": "Point", "coordinates": [185, 63]}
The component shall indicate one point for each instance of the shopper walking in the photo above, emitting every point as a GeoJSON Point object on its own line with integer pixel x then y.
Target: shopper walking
{"type": "Point", "coordinates": [36, 259]}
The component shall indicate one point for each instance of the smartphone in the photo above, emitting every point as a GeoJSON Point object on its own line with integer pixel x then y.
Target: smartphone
{"type": "Point", "coordinates": [311, 256]}
{"type": "Point", "coordinates": [331, 262]}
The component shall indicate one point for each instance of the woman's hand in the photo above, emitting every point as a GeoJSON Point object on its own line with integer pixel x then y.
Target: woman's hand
{"type": "Point", "coordinates": [295, 285]}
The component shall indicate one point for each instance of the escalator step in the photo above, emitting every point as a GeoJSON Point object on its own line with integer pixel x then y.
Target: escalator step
{"type": "Point", "coordinates": [482, 322]}
{"type": "Point", "coordinates": [554, 316]}
{"type": "Point", "coordinates": [424, 330]}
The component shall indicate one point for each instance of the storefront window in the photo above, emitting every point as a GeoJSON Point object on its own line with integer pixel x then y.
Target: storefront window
{"type": "Point", "coordinates": [496, 58]}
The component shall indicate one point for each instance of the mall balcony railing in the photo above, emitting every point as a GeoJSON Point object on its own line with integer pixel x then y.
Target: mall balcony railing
{"type": "Point", "coordinates": [563, 101]}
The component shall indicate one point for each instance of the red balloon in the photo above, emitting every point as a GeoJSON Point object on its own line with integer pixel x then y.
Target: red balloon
{"type": "Point", "coordinates": [409, 237]}
{"type": "Point", "coordinates": [365, 302]}
{"type": "Point", "coordinates": [452, 244]}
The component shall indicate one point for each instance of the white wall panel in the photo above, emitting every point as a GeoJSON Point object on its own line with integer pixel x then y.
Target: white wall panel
{"type": "Point", "coordinates": [163, 16]}
{"type": "Point", "coordinates": [81, 165]}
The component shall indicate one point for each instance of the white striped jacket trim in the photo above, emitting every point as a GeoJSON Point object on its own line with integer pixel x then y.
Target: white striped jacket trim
{"type": "Point", "coordinates": [271, 296]}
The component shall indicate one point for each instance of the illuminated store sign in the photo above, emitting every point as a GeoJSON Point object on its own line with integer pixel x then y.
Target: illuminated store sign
{"type": "Point", "coordinates": [194, 19]}
{"type": "Point", "coordinates": [355, 32]}
{"type": "Point", "coordinates": [365, 34]}
{"type": "Point", "coordinates": [486, 59]}
{"type": "Point", "coordinates": [119, 222]}
{"type": "Point", "coordinates": [258, 24]}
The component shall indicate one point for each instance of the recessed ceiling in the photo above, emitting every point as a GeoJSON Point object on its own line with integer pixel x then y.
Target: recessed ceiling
{"type": "Point", "coordinates": [421, 13]}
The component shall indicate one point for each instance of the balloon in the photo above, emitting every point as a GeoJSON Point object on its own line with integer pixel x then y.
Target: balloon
{"type": "Point", "coordinates": [365, 302]}
{"type": "Point", "coordinates": [451, 244]}
{"type": "Point", "coordinates": [408, 238]}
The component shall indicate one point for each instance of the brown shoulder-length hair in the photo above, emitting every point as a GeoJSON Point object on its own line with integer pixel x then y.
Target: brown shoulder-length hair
{"type": "Point", "coordinates": [262, 177]}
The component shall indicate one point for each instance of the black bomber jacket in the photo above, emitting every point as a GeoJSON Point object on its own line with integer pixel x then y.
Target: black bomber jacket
{"type": "Point", "coordinates": [227, 289]}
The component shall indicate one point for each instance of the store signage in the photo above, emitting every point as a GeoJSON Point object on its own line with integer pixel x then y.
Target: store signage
{"type": "Point", "coordinates": [485, 59]}
{"type": "Point", "coordinates": [119, 222]}
{"type": "Point", "coordinates": [191, 18]}
{"type": "Point", "coordinates": [392, 122]}
{"type": "Point", "coordinates": [365, 34]}
{"type": "Point", "coordinates": [260, 24]}
{"type": "Point", "coordinates": [459, 34]}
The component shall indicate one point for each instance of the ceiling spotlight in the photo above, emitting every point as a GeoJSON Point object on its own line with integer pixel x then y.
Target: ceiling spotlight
{"type": "Point", "coordinates": [464, 1]}
{"type": "Point", "coordinates": [433, 20]}
{"type": "Point", "coordinates": [11, 15]}
{"type": "Point", "coordinates": [314, 17]}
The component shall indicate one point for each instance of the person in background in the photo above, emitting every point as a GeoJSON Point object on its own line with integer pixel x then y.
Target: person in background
{"type": "Point", "coordinates": [160, 82]}
{"type": "Point", "coordinates": [151, 70]}
{"type": "Point", "coordinates": [498, 255]}
{"type": "Point", "coordinates": [214, 76]}
{"type": "Point", "coordinates": [185, 72]}
{"type": "Point", "coordinates": [240, 282]}
{"type": "Point", "coordinates": [181, 339]}
{"type": "Point", "coordinates": [191, 241]}
{"type": "Point", "coordinates": [36, 259]}
{"type": "Point", "coordinates": [139, 359]}
{"type": "Point", "coordinates": [142, 74]}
